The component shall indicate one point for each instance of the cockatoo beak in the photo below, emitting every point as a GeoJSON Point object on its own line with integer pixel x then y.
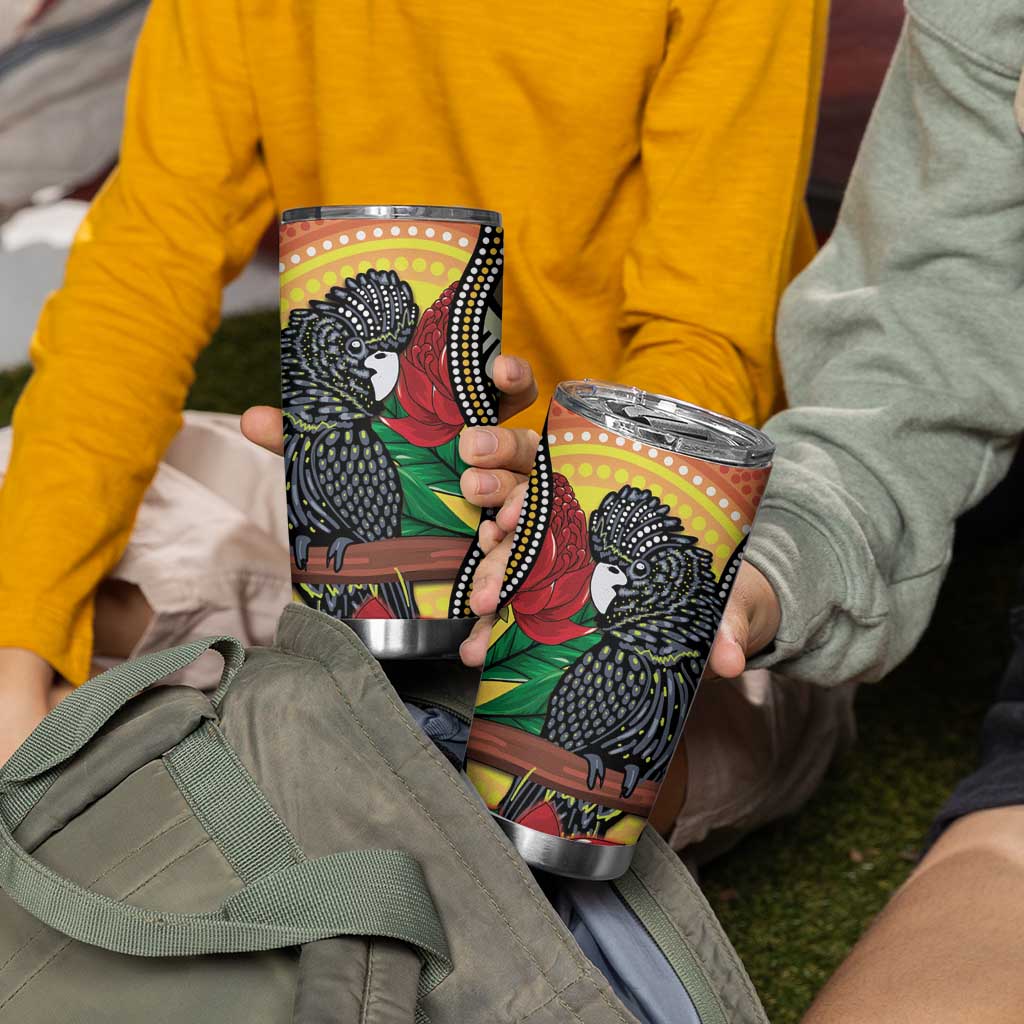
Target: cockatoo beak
{"type": "Point", "coordinates": [604, 585]}
{"type": "Point", "coordinates": [383, 367]}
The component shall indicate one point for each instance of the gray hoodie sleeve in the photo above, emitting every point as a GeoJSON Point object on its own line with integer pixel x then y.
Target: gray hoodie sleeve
{"type": "Point", "coordinates": [902, 347]}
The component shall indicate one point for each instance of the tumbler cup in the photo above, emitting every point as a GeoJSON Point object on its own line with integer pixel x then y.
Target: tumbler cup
{"type": "Point", "coordinates": [632, 532]}
{"type": "Point", "coordinates": [390, 323]}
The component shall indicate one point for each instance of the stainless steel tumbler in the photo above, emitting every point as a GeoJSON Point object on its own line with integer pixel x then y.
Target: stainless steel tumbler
{"type": "Point", "coordinates": [390, 323]}
{"type": "Point", "coordinates": [631, 535]}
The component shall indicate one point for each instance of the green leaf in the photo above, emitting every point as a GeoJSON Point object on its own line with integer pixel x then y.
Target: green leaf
{"type": "Point", "coordinates": [424, 514]}
{"type": "Point", "coordinates": [391, 409]}
{"type": "Point", "coordinates": [437, 468]}
{"type": "Point", "coordinates": [512, 642]}
{"type": "Point", "coordinates": [586, 616]}
{"type": "Point", "coordinates": [537, 667]}
{"type": "Point", "coordinates": [425, 473]}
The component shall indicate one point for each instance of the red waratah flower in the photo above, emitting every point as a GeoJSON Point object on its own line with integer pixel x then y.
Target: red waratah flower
{"type": "Point", "coordinates": [374, 608]}
{"type": "Point", "coordinates": [424, 389]}
{"type": "Point", "coordinates": [558, 584]}
{"type": "Point", "coordinates": [543, 817]}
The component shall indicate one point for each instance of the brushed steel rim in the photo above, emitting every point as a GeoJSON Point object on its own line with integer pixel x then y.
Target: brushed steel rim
{"type": "Point", "coordinates": [394, 639]}
{"type": "Point", "coordinates": [573, 858]}
{"type": "Point", "coordinates": [455, 214]}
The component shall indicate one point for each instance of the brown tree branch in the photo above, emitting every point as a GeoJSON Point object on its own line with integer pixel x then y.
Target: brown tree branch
{"type": "Point", "coordinates": [418, 558]}
{"type": "Point", "coordinates": [517, 752]}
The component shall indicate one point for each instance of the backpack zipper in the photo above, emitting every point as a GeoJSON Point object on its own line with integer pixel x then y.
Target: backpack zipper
{"type": "Point", "coordinates": [426, 705]}
{"type": "Point", "coordinates": [673, 946]}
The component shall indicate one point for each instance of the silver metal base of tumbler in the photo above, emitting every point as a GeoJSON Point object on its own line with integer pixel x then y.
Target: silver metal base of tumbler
{"type": "Point", "coordinates": [573, 858]}
{"type": "Point", "coordinates": [391, 639]}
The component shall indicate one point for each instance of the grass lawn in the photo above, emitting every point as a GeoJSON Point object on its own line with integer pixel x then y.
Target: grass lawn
{"type": "Point", "coordinates": [795, 896]}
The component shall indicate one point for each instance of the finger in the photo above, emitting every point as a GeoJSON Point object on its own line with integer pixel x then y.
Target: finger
{"type": "Point", "coordinates": [508, 516]}
{"type": "Point", "coordinates": [498, 447]}
{"type": "Point", "coordinates": [488, 578]}
{"type": "Point", "coordinates": [474, 647]}
{"type": "Point", "coordinates": [514, 378]}
{"type": "Point", "coordinates": [263, 425]}
{"type": "Point", "coordinates": [488, 487]}
{"type": "Point", "coordinates": [489, 536]}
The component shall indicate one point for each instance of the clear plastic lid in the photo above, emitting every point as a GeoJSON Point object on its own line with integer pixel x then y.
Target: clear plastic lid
{"type": "Point", "coordinates": [456, 214]}
{"type": "Point", "coordinates": [667, 423]}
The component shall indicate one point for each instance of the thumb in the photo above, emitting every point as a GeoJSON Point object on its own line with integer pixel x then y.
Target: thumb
{"type": "Point", "coordinates": [262, 424]}
{"type": "Point", "coordinates": [750, 623]}
{"type": "Point", "coordinates": [729, 651]}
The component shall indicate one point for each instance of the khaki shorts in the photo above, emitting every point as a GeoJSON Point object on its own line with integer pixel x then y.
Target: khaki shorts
{"type": "Point", "coordinates": [209, 553]}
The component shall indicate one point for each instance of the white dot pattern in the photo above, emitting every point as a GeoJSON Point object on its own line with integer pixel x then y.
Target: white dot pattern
{"type": "Point", "coordinates": [530, 532]}
{"type": "Point", "coordinates": [569, 436]}
{"type": "Point", "coordinates": [728, 576]}
{"type": "Point", "coordinates": [395, 231]}
{"type": "Point", "coordinates": [466, 322]}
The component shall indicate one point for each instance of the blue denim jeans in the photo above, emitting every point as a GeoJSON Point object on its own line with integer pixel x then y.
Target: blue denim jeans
{"type": "Point", "coordinates": [999, 781]}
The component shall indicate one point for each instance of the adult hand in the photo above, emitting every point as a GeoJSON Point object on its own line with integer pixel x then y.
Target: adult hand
{"type": "Point", "coordinates": [750, 622]}
{"type": "Point", "coordinates": [496, 542]}
{"type": "Point", "coordinates": [500, 461]}
{"type": "Point", "coordinates": [749, 625]}
{"type": "Point", "coordinates": [26, 685]}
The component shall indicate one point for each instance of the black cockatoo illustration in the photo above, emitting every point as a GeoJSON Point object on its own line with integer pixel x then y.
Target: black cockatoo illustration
{"type": "Point", "coordinates": [340, 361]}
{"type": "Point", "coordinates": [621, 704]}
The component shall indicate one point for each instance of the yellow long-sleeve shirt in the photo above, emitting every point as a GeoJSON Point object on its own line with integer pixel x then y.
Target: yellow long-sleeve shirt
{"type": "Point", "coordinates": [649, 160]}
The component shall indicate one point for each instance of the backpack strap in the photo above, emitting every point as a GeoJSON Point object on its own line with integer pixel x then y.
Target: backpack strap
{"type": "Point", "coordinates": [356, 892]}
{"type": "Point", "coordinates": [79, 716]}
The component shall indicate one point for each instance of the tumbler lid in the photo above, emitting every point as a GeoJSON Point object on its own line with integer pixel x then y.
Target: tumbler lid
{"type": "Point", "coordinates": [667, 423]}
{"type": "Point", "coordinates": [456, 214]}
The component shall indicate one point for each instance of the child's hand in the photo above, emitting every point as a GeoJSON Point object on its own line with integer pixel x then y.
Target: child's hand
{"type": "Point", "coordinates": [26, 682]}
{"type": "Point", "coordinates": [262, 425]}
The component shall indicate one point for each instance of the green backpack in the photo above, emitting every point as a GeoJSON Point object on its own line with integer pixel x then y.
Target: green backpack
{"type": "Point", "coordinates": [296, 849]}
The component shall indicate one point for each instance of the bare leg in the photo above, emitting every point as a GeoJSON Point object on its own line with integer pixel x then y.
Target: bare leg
{"type": "Point", "coordinates": [950, 944]}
